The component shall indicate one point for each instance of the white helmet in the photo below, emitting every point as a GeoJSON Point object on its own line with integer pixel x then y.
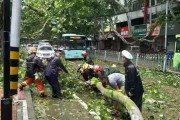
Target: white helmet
{"type": "Point", "coordinates": [127, 54]}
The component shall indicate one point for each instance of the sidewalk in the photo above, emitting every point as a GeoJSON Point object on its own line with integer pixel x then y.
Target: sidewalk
{"type": "Point", "coordinates": [23, 109]}
{"type": "Point", "coordinates": [14, 107]}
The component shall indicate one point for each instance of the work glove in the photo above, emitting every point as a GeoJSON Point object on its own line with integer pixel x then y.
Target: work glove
{"type": "Point", "coordinates": [38, 76]}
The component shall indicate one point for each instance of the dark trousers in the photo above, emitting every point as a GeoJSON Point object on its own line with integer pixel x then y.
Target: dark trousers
{"type": "Point", "coordinates": [56, 89]}
{"type": "Point", "coordinates": [138, 101]}
{"type": "Point", "coordinates": [89, 74]}
{"type": "Point", "coordinates": [85, 75]}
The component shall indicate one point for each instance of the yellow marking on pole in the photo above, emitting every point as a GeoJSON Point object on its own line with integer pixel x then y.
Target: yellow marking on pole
{"type": "Point", "coordinates": [13, 70]}
{"type": "Point", "coordinates": [14, 55]}
{"type": "Point", "coordinates": [13, 85]}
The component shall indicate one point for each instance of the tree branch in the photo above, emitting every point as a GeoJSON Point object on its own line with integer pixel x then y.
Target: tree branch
{"type": "Point", "coordinates": [44, 25]}
{"type": "Point", "coordinates": [171, 11]}
{"type": "Point", "coordinates": [35, 10]}
{"type": "Point", "coordinates": [131, 107]}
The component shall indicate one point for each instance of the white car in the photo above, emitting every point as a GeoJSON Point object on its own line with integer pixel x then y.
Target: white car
{"type": "Point", "coordinates": [45, 51]}
{"type": "Point", "coordinates": [35, 46]}
{"type": "Point", "coordinates": [55, 47]}
{"type": "Point", "coordinates": [42, 44]}
{"type": "Point", "coordinates": [28, 46]}
{"type": "Point", "coordinates": [91, 48]}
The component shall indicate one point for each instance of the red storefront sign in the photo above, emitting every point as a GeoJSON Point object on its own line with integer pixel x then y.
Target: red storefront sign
{"type": "Point", "coordinates": [124, 32]}
{"type": "Point", "coordinates": [156, 29]}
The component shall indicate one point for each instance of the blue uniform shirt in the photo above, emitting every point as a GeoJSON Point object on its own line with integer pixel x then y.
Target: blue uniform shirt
{"type": "Point", "coordinates": [116, 80]}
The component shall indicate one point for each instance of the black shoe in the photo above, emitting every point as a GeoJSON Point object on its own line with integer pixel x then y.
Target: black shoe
{"type": "Point", "coordinates": [58, 97]}
{"type": "Point", "coordinates": [42, 95]}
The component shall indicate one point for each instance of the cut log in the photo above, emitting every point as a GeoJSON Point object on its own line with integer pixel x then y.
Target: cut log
{"type": "Point", "coordinates": [131, 107]}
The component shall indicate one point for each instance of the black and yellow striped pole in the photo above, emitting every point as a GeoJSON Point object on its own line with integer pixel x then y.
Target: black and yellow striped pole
{"type": "Point", "coordinates": [14, 49]}
{"type": "Point", "coordinates": [14, 60]}
{"type": "Point", "coordinates": [6, 101]}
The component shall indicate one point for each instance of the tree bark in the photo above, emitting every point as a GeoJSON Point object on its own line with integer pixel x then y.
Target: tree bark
{"type": "Point", "coordinates": [126, 7]}
{"type": "Point", "coordinates": [131, 107]}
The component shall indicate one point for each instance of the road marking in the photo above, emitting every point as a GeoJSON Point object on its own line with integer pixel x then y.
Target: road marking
{"type": "Point", "coordinates": [85, 106]}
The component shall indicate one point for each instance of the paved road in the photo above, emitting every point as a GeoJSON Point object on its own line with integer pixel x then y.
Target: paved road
{"type": "Point", "coordinates": [55, 109]}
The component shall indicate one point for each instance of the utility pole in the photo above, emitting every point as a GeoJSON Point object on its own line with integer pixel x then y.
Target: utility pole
{"type": "Point", "coordinates": [165, 41]}
{"type": "Point", "coordinates": [145, 11]}
{"type": "Point", "coordinates": [6, 100]}
{"type": "Point", "coordinates": [128, 14]}
{"type": "Point", "coordinates": [166, 25]}
{"type": "Point", "coordinates": [150, 12]}
{"type": "Point", "coordinates": [101, 34]}
{"type": "Point", "coordinates": [14, 53]}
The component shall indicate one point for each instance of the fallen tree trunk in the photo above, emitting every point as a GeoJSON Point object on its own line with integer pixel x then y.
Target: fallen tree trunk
{"type": "Point", "coordinates": [131, 107]}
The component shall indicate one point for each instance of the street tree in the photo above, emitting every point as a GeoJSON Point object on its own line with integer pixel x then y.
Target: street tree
{"type": "Point", "coordinates": [49, 18]}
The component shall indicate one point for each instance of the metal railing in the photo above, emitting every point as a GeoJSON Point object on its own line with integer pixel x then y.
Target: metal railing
{"type": "Point", "coordinates": [157, 61]}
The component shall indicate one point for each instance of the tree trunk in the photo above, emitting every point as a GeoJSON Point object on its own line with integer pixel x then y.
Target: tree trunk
{"type": "Point", "coordinates": [133, 110]}
{"type": "Point", "coordinates": [128, 14]}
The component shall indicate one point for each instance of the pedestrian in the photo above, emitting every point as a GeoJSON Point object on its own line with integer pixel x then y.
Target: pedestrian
{"type": "Point", "coordinates": [133, 84]}
{"type": "Point", "coordinates": [115, 80]}
{"type": "Point", "coordinates": [34, 71]}
{"type": "Point", "coordinates": [86, 68]}
{"type": "Point", "coordinates": [87, 59]}
{"type": "Point", "coordinates": [87, 71]}
{"type": "Point", "coordinates": [105, 71]}
{"type": "Point", "coordinates": [52, 70]}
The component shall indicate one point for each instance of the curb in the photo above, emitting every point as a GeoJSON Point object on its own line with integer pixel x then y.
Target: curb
{"type": "Point", "coordinates": [30, 106]}
{"type": "Point", "coordinates": [25, 110]}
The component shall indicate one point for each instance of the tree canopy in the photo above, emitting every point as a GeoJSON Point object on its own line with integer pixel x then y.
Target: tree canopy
{"type": "Point", "coordinates": [50, 18]}
{"type": "Point", "coordinates": [45, 19]}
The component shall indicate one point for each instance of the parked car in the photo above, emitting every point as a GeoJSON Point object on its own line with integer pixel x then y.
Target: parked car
{"type": "Point", "coordinates": [28, 46]}
{"type": "Point", "coordinates": [91, 48]}
{"type": "Point", "coordinates": [22, 45]}
{"type": "Point", "coordinates": [60, 48]}
{"type": "Point", "coordinates": [45, 51]}
{"type": "Point", "coordinates": [35, 46]}
{"type": "Point", "coordinates": [42, 44]}
{"type": "Point", "coordinates": [55, 47]}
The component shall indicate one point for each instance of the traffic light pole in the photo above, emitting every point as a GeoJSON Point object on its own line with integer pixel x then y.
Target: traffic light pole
{"type": "Point", "coordinates": [6, 100]}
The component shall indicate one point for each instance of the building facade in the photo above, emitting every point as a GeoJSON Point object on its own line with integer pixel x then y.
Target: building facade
{"type": "Point", "coordinates": [141, 24]}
